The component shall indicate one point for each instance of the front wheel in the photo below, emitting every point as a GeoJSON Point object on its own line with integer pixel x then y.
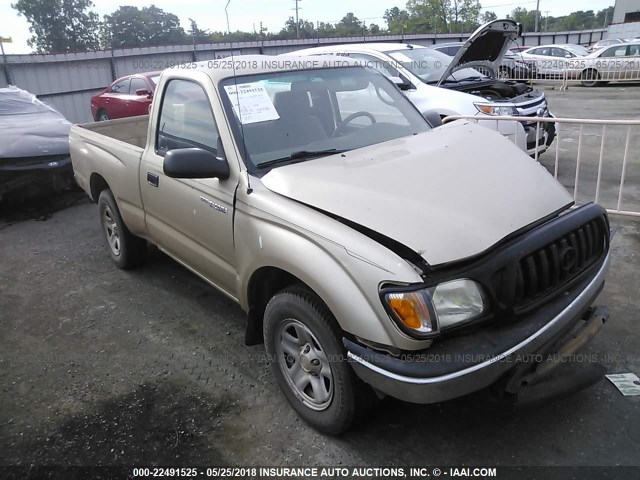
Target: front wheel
{"type": "Point", "coordinates": [589, 78]}
{"type": "Point", "coordinates": [304, 344]}
{"type": "Point", "coordinates": [125, 249]}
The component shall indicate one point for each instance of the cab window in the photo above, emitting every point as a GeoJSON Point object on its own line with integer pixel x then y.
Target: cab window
{"type": "Point", "coordinates": [186, 119]}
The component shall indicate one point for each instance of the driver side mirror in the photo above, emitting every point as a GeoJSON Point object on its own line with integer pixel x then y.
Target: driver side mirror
{"type": "Point", "coordinates": [433, 117]}
{"type": "Point", "coordinates": [143, 91]}
{"type": "Point", "coordinates": [195, 163]}
{"type": "Point", "coordinates": [401, 83]}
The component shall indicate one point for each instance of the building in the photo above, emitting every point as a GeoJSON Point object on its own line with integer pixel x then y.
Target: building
{"type": "Point", "coordinates": [626, 19]}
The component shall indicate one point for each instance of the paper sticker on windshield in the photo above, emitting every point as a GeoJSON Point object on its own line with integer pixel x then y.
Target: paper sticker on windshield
{"type": "Point", "coordinates": [251, 103]}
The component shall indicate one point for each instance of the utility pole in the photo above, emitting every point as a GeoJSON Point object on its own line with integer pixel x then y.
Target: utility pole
{"type": "Point", "coordinates": [5, 67]}
{"type": "Point", "coordinates": [546, 19]}
{"type": "Point", "coordinates": [297, 20]}
{"type": "Point", "coordinates": [535, 29]}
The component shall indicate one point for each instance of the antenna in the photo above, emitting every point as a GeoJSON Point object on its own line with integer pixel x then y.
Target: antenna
{"type": "Point", "coordinates": [235, 82]}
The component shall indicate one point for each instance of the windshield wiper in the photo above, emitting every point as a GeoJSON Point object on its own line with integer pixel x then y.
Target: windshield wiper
{"type": "Point", "coordinates": [300, 155]}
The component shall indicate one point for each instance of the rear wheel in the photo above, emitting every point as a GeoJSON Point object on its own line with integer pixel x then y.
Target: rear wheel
{"type": "Point", "coordinates": [125, 249]}
{"type": "Point", "coordinates": [589, 78]}
{"type": "Point", "coordinates": [304, 344]}
{"type": "Point", "coordinates": [103, 116]}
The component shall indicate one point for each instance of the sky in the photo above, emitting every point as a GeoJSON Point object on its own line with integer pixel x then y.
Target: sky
{"type": "Point", "coordinates": [247, 14]}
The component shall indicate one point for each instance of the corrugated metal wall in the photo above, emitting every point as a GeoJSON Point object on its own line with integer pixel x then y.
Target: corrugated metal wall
{"type": "Point", "coordinates": [67, 81]}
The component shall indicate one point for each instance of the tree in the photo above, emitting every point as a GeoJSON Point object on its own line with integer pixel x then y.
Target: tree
{"type": "Point", "coordinates": [443, 15]}
{"type": "Point", "coordinates": [489, 16]}
{"type": "Point", "coordinates": [350, 25]}
{"type": "Point", "coordinates": [396, 20]}
{"type": "Point", "coordinates": [305, 29]}
{"type": "Point", "coordinates": [149, 26]}
{"type": "Point", "coordinates": [197, 35]}
{"type": "Point", "coordinates": [603, 18]}
{"type": "Point", "coordinates": [60, 25]}
{"type": "Point", "coordinates": [525, 17]}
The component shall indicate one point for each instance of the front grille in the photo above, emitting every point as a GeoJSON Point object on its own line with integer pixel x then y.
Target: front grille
{"type": "Point", "coordinates": [546, 270]}
{"type": "Point", "coordinates": [531, 109]}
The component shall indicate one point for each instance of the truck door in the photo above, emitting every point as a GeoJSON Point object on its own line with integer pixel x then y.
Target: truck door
{"type": "Point", "coordinates": [191, 219]}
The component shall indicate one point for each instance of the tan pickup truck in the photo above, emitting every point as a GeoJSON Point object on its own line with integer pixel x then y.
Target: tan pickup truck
{"type": "Point", "coordinates": [375, 253]}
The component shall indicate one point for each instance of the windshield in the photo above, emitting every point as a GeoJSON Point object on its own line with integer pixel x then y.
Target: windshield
{"type": "Point", "coordinates": [577, 49]}
{"type": "Point", "coordinates": [429, 64]}
{"type": "Point", "coordinates": [288, 117]}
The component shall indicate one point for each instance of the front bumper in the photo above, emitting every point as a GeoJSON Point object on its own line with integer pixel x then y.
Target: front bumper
{"type": "Point", "coordinates": [19, 174]}
{"type": "Point", "coordinates": [461, 365]}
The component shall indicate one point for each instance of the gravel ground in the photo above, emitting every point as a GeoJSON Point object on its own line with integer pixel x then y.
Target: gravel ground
{"type": "Point", "coordinates": [100, 366]}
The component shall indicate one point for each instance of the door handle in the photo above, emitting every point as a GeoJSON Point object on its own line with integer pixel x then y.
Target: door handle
{"type": "Point", "coordinates": [153, 179]}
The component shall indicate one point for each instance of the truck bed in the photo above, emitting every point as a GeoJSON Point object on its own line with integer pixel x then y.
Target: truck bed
{"type": "Point", "coordinates": [131, 130]}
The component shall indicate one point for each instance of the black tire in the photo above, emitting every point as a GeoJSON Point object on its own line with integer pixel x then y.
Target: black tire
{"type": "Point", "coordinates": [589, 78]}
{"type": "Point", "coordinates": [102, 116]}
{"type": "Point", "coordinates": [348, 397]}
{"type": "Point", "coordinates": [125, 249]}
{"type": "Point", "coordinates": [505, 73]}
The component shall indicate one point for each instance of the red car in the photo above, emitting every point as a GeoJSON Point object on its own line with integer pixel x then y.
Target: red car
{"type": "Point", "coordinates": [126, 97]}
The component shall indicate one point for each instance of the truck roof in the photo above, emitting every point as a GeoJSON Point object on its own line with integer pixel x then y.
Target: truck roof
{"type": "Point", "coordinates": [239, 65]}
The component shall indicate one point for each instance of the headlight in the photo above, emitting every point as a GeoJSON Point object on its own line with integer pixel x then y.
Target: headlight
{"type": "Point", "coordinates": [457, 301]}
{"type": "Point", "coordinates": [489, 109]}
{"type": "Point", "coordinates": [422, 313]}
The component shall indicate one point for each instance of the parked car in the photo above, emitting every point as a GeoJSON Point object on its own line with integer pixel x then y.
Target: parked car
{"type": "Point", "coordinates": [605, 43]}
{"type": "Point", "coordinates": [511, 67]}
{"type": "Point", "coordinates": [34, 151]}
{"type": "Point", "coordinates": [618, 62]}
{"type": "Point", "coordinates": [435, 81]}
{"type": "Point", "coordinates": [373, 253]}
{"type": "Point", "coordinates": [126, 97]}
{"type": "Point", "coordinates": [551, 60]}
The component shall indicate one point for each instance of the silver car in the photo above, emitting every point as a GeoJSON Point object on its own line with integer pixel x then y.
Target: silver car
{"type": "Point", "coordinates": [551, 60]}
{"type": "Point", "coordinates": [616, 63]}
{"type": "Point", "coordinates": [512, 67]}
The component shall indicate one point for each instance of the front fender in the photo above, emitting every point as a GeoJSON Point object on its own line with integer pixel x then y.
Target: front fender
{"type": "Point", "coordinates": [347, 282]}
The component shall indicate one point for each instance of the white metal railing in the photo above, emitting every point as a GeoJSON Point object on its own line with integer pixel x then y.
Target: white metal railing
{"type": "Point", "coordinates": [584, 70]}
{"type": "Point", "coordinates": [605, 152]}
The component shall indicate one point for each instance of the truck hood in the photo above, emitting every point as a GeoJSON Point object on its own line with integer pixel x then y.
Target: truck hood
{"type": "Point", "coordinates": [485, 47]}
{"type": "Point", "coordinates": [447, 194]}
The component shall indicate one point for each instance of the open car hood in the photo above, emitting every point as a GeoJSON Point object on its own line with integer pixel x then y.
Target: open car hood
{"type": "Point", "coordinates": [485, 47]}
{"type": "Point", "coordinates": [447, 194]}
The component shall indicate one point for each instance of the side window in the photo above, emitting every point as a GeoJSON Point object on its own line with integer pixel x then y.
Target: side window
{"type": "Point", "coordinates": [562, 53]}
{"type": "Point", "coordinates": [186, 119]}
{"type": "Point", "coordinates": [453, 51]}
{"type": "Point", "coordinates": [120, 87]}
{"type": "Point", "coordinates": [634, 50]}
{"type": "Point", "coordinates": [617, 51]}
{"type": "Point", "coordinates": [136, 84]}
{"type": "Point", "coordinates": [540, 51]}
{"type": "Point", "coordinates": [382, 66]}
